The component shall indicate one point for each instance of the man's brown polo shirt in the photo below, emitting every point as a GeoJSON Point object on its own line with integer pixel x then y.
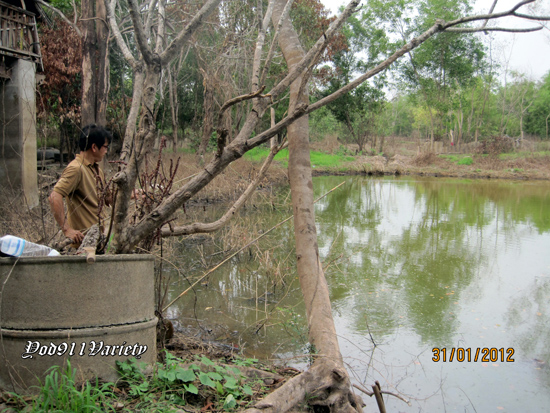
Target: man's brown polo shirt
{"type": "Point", "coordinates": [78, 185]}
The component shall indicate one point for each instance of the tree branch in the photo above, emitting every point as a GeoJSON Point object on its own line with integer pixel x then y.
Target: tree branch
{"type": "Point", "coordinates": [139, 30]}
{"type": "Point", "coordinates": [417, 41]}
{"type": "Point", "coordinates": [490, 11]}
{"type": "Point", "coordinates": [313, 52]}
{"type": "Point", "coordinates": [530, 17]}
{"type": "Point", "coordinates": [492, 16]}
{"type": "Point", "coordinates": [150, 17]}
{"type": "Point", "coordinates": [214, 226]}
{"type": "Point", "coordinates": [492, 29]}
{"type": "Point", "coordinates": [259, 46]}
{"type": "Point", "coordinates": [118, 35]}
{"type": "Point", "coordinates": [161, 27]}
{"type": "Point", "coordinates": [236, 100]}
{"type": "Point", "coordinates": [371, 393]}
{"type": "Point", "coordinates": [273, 45]}
{"type": "Point", "coordinates": [188, 31]}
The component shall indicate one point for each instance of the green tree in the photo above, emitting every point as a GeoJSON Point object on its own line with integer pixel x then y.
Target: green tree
{"type": "Point", "coordinates": [537, 121]}
{"type": "Point", "coordinates": [359, 110]}
{"type": "Point", "coordinates": [480, 101]}
{"type": "Point", "coordinates": [398, 116]}
{"type": "Point", "coordinates": [441, 65]}
{"type": "Point", "coordinates": [515, 99]}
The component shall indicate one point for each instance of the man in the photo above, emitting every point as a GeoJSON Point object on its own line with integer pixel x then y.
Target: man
{"type": "Point", "coordinates": [82, 184]}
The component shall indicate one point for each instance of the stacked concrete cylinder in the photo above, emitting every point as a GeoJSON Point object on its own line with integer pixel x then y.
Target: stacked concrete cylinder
{"type": "Point", "coordinates": [53, 309]}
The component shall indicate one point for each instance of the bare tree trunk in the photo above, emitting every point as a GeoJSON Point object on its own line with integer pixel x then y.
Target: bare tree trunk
{"type": "Point", "coordinates": [88, 63]}
{"type": "Point", "coordinates": [351, 129]}
{"type": "Point", "coordinates": [95, 62]}
{"type": "Point", "coordinates": [460, 136]}
{"type": "Point", "coordinates": [173, 98]}
{"type": "Point", "coordinates": [524, 109]}
{"type": "Point", "coordinates": [480, 117]}
{"type": "Point", "coordinates": [547, 126]}
{"type": "Point", "coordinates": [208, 118]}
{"type": "Point", "coordinates": [381, 148]}
{"type": "Point", "coordinates": [102, 62]}
{"type": "Point", "coordinates": [274, 139]}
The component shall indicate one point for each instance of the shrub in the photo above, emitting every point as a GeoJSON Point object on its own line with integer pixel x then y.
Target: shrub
{"type": "Point", "coordinates": [424, 159]}
{"type": "Point", "coordinates": [496, 145]}
{"type": "Point", "coordinates": [466, 161]}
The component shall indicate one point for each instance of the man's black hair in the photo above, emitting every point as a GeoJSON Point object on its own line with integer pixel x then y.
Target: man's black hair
{"type": "Point", "coordinates": [94, 134]}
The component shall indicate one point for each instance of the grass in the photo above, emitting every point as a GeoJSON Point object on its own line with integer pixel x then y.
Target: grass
{"type": "Point", "coordinates": [459, 159]}
{"type": "Point", "coordinates": [318, 159]}
{"type": "Point", "coordinates": [60, 392]}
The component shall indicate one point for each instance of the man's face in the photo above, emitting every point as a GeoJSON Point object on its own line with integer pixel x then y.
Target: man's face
{"type": "Point", "coordinates": [99, 153]}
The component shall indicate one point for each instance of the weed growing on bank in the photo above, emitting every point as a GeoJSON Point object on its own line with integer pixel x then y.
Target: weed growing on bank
{"type": "Point", "coordinates": [199, 383]}
{"type": "Point", "coordinates": [61, 392]}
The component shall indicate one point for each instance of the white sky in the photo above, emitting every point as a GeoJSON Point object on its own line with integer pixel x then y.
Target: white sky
{"type": "Point", "coordinates": [527, 53]}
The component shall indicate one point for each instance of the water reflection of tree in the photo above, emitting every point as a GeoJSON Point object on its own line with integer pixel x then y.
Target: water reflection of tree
{"type": "Point", "coordinates": [519, 202]}
{"type": "Point", "coordinates": [417, 275]}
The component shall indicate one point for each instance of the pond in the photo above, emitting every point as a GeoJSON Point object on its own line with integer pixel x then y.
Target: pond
{"type": "Point", "coordinates": [420, 271]}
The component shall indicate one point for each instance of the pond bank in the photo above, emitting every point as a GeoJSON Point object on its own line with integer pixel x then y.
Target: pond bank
{"type": "Point", "coordinates": [513, 166]}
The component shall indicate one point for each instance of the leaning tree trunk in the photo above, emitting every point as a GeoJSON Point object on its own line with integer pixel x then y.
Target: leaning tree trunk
{"type": "Point", "coordinates": [326, 383]}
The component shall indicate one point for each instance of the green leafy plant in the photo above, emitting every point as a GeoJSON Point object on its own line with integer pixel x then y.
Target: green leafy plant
{"type": "Point", "coordinates": [226, 381]}
{"type": "Point", "coordinates": [245, 362]}
{"type": "Point", "coordinates": [174, 381]}
{"type": "Point", "coordinates": [452, 158]}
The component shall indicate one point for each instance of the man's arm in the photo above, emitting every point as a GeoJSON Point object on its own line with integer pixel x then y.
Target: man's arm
{"type": "Point", "coordinates": [58, 210]}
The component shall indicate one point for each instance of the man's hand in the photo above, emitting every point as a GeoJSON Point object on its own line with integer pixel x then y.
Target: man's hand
{"type": "Point", "coordinates": [56, 205]}
{"type": "Point", "coordinates": [73, 234]}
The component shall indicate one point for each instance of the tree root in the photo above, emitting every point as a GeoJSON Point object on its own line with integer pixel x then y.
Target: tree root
{"type": "Point", "coordinates": [323, 384]}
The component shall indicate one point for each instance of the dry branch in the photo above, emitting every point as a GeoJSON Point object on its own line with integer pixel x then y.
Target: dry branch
{"type": "Point", "coordinates": [214, 226]}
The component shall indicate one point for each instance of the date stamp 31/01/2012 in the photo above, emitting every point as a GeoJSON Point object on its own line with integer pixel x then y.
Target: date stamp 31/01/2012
{"type": "Point", "coordinates": [485, 354]}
